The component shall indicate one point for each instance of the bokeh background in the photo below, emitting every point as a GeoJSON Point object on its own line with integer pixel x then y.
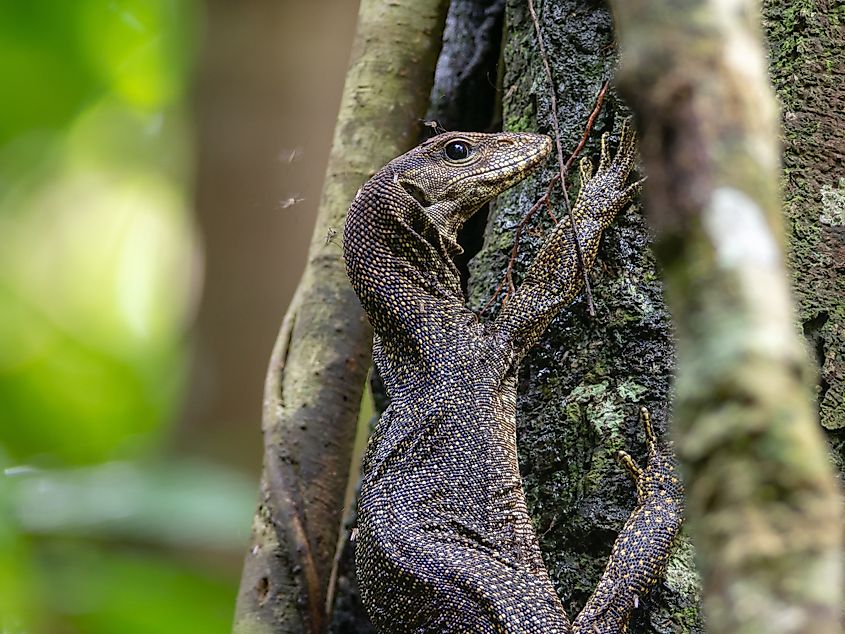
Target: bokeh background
{"type": "Point", "coordinates": [160, 167]}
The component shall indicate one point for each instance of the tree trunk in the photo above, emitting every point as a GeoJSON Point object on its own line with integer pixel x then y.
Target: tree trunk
{"type": "Point", "coordinates": [581, 387]}
{"type": "Point", "coordinates": [762, 503]}
{"type": "Point", "coordinates": [321, 357]}
{"type": "Point", "coordinates": [807, 65]}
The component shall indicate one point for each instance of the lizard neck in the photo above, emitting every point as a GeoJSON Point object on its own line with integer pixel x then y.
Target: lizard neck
{"type": "Point", "coordinates": [400, 264]}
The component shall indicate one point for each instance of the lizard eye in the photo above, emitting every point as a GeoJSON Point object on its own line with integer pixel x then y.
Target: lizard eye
{"type": "Point", "coordinates": [457, 150]}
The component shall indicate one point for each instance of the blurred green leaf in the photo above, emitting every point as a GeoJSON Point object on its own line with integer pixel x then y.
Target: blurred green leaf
{"type": "Point", "coordinates": [180, 504]}
{"type": "Point", "coordinates": [45, 75]}
{"type": "Point", "coordinates": [139, 47]}
{"type": "Point", "coordinates": [57, 57]}
{"type": "Point", "coordinates": [99, 277]}
{"type": "Point", "coordinates": [15, 576]}
{"type": "Point", "coordinates": [98, 280]}
{"type": "Point", "coordinates": [95, 296]}
{"type": "Point", "coordinates": [94, 591]}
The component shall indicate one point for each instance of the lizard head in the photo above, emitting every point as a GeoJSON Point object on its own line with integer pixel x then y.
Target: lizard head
{"type": "Point", "coordinates": [452, 174]}
{"type": "Point", "coordinates": [404, 221]}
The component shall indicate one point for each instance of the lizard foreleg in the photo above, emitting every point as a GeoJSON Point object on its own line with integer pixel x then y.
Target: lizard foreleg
{"type": "Point", "coordinates": [554, 278]}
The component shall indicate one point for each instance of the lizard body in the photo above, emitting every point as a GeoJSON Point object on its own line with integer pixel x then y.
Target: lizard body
{"type": "Point", "coordinates": [445, 541]}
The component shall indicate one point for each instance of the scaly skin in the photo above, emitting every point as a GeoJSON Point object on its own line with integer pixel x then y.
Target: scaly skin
{"type": "Point", "coordinates": [445, 542]}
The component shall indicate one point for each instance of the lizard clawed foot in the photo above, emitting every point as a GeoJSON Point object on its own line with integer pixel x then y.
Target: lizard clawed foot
{"type": "Point", "coordinates": [642, 548]}
{"type": "Point", "coordinates": [626, 153]}
{"type": "Point", "coordinates": [604, 193]}
{"type": "Point", "coordinates": [659, 480]}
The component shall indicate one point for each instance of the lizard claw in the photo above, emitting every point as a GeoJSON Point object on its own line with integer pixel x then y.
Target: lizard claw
{"type": "Point", "coordinates": [603, 193]}
{"type": "Point", "coordinates": [585, 171]}
{"type": "Point", "coordinates": [627, 142]}
{"type": "Point", "coordinates": [626, 152]}
{"type": "Point", "coordinates": [660, 475]}
{"type": "Point", "coordinates": [633, 469]}
{"type": "Point", "coordinates": [628, 195]}
{"type": "Point", "coordinates": [605, 160]}
{"type": "Point", "coordinates": [632, 190]}
{"type": "Point", "coordinates": [650, 436]}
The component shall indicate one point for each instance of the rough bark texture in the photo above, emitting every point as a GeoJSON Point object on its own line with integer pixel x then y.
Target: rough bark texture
{"type": "Point", "coordinates": [581, 387]}
{"type": "Point", "coordinates": [762, 503]}
{"type": "Point", "coordinates": [321, 357]}
{"type": "Point", "coordinates": [807, 65]}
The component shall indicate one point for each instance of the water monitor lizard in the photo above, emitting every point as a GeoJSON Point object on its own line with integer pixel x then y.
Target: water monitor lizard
{"type": "Point", "coordinates": [445, 541]}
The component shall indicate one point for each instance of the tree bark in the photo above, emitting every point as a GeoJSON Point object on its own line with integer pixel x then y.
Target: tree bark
{"type": "Point", "coordinates": [322, 355]}
{"type": "Point", "coordinates": [581, 387]}
{"type": "Point", "coordinates": [807, 66]}
{"type": "Point", "coordinates": [762, 503]}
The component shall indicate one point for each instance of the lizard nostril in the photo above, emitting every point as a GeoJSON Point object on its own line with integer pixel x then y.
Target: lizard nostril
{"type": "Point", "coordinates": [506, 141]}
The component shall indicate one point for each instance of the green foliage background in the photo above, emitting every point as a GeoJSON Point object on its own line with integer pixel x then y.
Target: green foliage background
{"type": "Point", "coordinates": [100, 270]}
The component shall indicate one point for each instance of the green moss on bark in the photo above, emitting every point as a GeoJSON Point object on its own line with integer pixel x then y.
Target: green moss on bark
{"type": "Point", "coordinates": [807, 65]}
